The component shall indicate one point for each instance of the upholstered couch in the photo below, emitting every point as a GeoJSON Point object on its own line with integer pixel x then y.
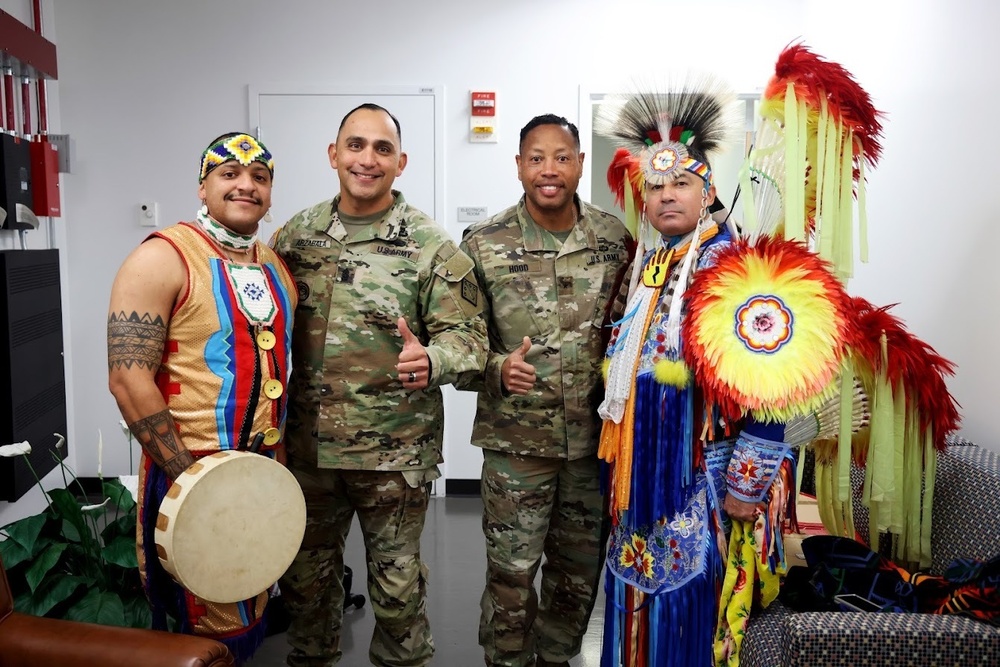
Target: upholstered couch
{"type": "Point", "coordinates": [966, 523]}
{"type": "Point", "coordinates": [29, 641]}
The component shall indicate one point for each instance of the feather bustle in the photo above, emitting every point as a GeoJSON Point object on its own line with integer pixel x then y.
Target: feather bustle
{"type": "Point", "coordinates": [911, 364]}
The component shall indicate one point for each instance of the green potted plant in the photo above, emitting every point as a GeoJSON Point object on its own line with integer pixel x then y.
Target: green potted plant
{"type": "Point", "coordinates": [74, 560]}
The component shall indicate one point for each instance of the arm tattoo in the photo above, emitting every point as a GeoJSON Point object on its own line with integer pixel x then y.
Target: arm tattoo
{"type": "Point", "coordinates": [158, 436]}
{"type": "Point", "coordinates": [135, 340]}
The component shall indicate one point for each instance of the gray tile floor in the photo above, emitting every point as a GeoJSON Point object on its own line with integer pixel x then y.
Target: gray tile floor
{"type": "Point", "coordinates": [454, 550]}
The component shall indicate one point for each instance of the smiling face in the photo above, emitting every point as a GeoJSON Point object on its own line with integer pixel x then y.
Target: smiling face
{"type": "Point", "coordinates": [368, 158]}
{"type": "Point", "coordinates": [673, 208]}
{"type": "Point", "coordinates": [237, 196]}
{"type": "Point", "coordinates": [549, 167]}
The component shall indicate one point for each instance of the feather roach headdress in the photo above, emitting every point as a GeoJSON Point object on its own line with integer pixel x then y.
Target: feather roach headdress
{"type": "Point", "coordinates": [662, 134]}
{"type": "Point", "coordinates": [819, 129]}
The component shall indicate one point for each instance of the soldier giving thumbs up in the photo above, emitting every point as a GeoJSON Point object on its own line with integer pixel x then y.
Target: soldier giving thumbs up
{"type": "Point", "coordinates": [413, 367]}
{"type": "Point", "coordinates": [518, 375]}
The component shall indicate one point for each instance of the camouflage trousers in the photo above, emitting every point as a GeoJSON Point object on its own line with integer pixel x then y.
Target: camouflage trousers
{"type": "Point", "coordinates": [533, 507]}
{"type": "Point", "coordinates": [391, 514]}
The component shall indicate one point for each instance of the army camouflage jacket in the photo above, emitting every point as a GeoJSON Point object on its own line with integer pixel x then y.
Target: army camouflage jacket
{"type": "Point", "coordinates": [557, 297]}
{"type": "Point", "coordinates": [347, 409]}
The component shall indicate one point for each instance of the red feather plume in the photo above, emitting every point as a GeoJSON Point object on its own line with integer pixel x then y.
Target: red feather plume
{"type": "Point", "coordinates": [911, 363]}
{"type": "Point", "coordinates": [815, 77]}
{"type": "Point", "coordinates": [624, 168]}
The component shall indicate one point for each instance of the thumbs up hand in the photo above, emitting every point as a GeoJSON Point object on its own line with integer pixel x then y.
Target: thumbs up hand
{"type": "Point", "coordinates": [517, 375]}
{"type": "Point", "coordinates": [414, 368]}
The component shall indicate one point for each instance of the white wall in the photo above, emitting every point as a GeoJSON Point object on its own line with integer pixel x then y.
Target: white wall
{"type": "Point", "coordinates": [144, 85]}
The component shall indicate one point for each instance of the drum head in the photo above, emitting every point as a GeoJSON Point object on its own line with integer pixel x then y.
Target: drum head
{"type": "Point", "coordinates": [233, 526]}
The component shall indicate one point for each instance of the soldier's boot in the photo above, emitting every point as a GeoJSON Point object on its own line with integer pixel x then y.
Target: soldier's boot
{"type": "Point", "coordinates": [542, 662]}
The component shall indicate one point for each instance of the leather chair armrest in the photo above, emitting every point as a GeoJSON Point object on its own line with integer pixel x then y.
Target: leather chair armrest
{"type": "Point", "coordinates": [30, 641]}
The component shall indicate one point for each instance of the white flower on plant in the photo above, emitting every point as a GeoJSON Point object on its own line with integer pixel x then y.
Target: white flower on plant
{"type": "Point", "coordinates": [100, 452]}
{"type": "Point", "coordinates": [94, 507]}
{"type": "Point", "coordinates": [16, 449]}
{"type": "Point", "coordinates": [131, 484]}
{"type": "Point", "coordinates": [60, 440]}
{"type": "Point", "coordinates": [124, 427]}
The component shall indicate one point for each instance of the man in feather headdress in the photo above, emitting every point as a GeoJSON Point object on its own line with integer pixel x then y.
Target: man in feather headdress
{"type": "Point", "coordinates": [736, 349]}
{"type": "Point", "coordinates": [665, 555]}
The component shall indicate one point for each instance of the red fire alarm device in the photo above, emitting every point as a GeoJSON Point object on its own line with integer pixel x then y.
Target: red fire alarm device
{"type": "Point", "coordinates": [484, 104]}
{"type": "Point", "coordinates": [45, 178]}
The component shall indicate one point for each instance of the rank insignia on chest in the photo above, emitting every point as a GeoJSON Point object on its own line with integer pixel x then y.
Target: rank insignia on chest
{"type": "Point", "coordinates": [470, 291]}
{"type": "Point", "coordinates": [655, 273]}
{"type": "Point", "coordinates": [345, 274]}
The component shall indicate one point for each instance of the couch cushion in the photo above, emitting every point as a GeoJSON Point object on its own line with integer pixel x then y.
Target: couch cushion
{"type": "Point", "coordinates": [762, 641]}
{"type": "Point", "coordinates": [966, 521]}
{"type": "Point", "coordinates": [846, 639]}
{"type": "Point", "coordinates": [966, 505]}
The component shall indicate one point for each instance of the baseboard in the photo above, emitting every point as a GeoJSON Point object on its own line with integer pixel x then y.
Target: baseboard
{"type": "Point", "coordinates": [461, 487]}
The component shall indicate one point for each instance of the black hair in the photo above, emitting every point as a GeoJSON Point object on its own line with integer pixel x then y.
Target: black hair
{"type": "Point", "coordinates": [371, 106]}
{"type": "Point", "coordinates": [549, 119]}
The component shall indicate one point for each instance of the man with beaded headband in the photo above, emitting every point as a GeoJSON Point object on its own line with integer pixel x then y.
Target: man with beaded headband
{"type": "Point", "coordinates": [752, 336]}
{"type": "Point", "coordinates": [668, 451]}
{"type": "Point", "coordinates": [199, 353]}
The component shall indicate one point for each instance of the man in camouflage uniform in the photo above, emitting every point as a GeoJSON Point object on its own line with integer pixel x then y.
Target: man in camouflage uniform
{"type": "Point", "coordinates": [548, 267]}
{"type": "Point", "coordinates": [389, 311]}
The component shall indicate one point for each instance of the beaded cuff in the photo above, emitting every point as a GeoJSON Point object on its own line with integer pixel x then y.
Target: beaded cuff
{"type": "Point", "coordinates": [752, 467]}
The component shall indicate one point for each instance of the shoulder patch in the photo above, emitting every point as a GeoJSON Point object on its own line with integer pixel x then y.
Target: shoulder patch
{"type": "Point", "coordinates": [470, 291]}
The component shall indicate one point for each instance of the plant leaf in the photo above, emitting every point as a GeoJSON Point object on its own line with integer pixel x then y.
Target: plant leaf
{"type": "Point", "coordinates": [25, 532]}
{"type": "Point", "coordinates": [68, 509]}
{"type": "Point", "coordinates": [42, 564]}
{"type": "Point", "coordinates": [137, 613]}
{"type": "Point", "coordinates": [13, 554]}
{"type": "Point", "coordinates": [121, 552]}
{"type": "Point", "coordinates": [123, 526]}
{"type": "Point", "coordinates": [101, 607]}
{"type": "Point", "coordinates": [71, 532]}
{"type": "Point", "coordinates": [51, 593]}
{"type": "Point", "coordinates": [120, 496]}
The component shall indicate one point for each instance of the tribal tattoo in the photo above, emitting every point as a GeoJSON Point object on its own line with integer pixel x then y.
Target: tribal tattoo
{"type": "Point", "coordinates": [135, 340]}
{"type": "Point", "coordinates": [158, 436]}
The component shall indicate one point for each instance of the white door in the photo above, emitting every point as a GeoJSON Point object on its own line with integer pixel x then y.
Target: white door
{"type": "Point", "coordinates": [297, 123]}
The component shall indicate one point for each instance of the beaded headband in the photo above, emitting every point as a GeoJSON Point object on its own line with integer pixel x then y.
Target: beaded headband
{"type": "Point", "coordinates": [243, 148]}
